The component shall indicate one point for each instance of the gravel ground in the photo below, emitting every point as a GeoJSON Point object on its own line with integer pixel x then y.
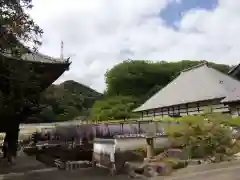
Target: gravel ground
{"type": "Point", "coordinates": [229, 173]}
{"type": "Point", "coordinates": [28, 168]}
{"type": "Point", "coordinates": [86, 174]}
{"type": "Point", "coordinates": [218, 171]}
{"type": "Point", "coordinates": [23, 163]}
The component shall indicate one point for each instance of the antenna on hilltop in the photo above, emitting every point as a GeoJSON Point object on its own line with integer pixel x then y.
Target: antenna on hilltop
{"type": "Point", "coordinates": [61, 56]}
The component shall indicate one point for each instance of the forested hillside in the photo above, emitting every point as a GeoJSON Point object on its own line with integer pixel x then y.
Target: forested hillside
{"type": "Point", "coordinates": [65, 102]}
{"type": "Point", "coordinates": [130, 83]}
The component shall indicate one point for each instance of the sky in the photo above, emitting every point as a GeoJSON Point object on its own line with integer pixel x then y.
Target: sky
{"type": "Point", "coordinates": [99, 34]}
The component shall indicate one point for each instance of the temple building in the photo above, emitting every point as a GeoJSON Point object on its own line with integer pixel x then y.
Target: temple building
{"type": "Point", "coordinates": [26, 76]}
{"type": "Point", "coordinates": [195, 90]}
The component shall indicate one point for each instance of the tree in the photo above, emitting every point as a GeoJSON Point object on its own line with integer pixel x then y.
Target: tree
{"type": "Point", "coordinates": [134, 78]}
{"type": "Point", "coordinates": [118, 107]}
{"type": "Point", "coordinates": [16, 29]}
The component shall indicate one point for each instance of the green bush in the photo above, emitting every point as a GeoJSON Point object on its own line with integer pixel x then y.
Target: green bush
{"type": "Point", "coordinates": [203, 135]}
{"type": "Point", "coordinates": [114, 108]}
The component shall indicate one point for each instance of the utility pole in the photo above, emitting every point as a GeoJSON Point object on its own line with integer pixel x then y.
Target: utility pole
{"type": "Point", "coordinates": [61, 56]}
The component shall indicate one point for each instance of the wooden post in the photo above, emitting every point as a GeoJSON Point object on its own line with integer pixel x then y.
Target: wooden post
{"type": "Point", "coordinates": [139, 127]}
{"type": "Point", "coordinates": [151, 133]}
{"type": "Point", "coordinates": [150, 147]}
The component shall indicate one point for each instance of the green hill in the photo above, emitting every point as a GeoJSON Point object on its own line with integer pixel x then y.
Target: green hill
{"type": "Point", "coordinates": [66, 101]}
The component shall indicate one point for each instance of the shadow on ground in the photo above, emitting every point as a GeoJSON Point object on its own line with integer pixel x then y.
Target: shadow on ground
{"type": "Point", "coordinates": [85, 174]}
{"type": "Point", "coordinates": [28, 168]}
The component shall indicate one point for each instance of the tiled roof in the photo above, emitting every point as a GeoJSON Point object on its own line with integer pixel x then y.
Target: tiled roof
{"type": "Point", "coordinates": [38, 57]}
{"type": "Point", "coordinates": [232, 97]}
{"type": "Point", "coordinates": [196, 84]}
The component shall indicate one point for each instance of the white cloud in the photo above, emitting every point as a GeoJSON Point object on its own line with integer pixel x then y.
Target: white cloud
{"type": "Point", "coordinates": [101, 33]}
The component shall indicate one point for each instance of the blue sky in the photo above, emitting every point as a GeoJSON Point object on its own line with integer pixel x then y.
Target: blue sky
{"type": "Point", "coordinates": [175, 10]}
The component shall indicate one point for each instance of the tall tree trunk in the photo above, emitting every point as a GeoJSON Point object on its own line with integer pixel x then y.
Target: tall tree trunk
{"type": "Point", "coordinates": [5, 146]}
{"type": "Point", "coordinates": [13, 144]}
{"type": "Point", "coordinates": [11, 139]}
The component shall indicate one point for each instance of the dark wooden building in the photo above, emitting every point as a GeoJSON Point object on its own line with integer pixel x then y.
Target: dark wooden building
{"type": "Point", "coordinates": [23, 78]}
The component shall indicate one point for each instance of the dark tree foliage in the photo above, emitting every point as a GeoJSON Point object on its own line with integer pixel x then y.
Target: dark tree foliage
{"type": "Point", "coordinates": [16, 26]}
